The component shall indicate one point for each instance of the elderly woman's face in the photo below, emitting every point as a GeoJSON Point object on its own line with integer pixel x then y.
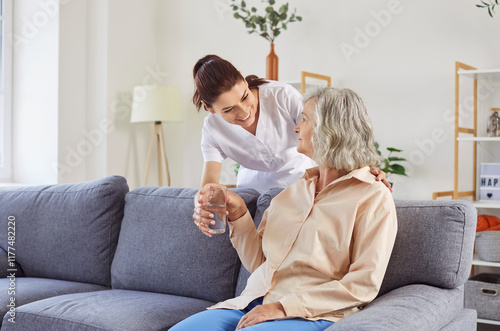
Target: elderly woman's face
{"type": "Point", "coordinates": [305, 129]}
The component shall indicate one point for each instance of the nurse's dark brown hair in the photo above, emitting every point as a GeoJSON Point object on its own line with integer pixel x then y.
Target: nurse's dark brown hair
{"type": "Point", "coordinates": [214, 76]}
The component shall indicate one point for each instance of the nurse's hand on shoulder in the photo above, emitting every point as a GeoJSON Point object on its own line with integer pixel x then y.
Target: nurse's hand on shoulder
{"type": "Point", "coordinates": [235, 209]}
{"type": "Point", "coordinates": [380, 176]}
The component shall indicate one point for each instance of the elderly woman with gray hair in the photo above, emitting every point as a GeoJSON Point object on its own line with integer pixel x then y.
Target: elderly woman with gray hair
{"type": "Point", "coordinates": [323, 245]}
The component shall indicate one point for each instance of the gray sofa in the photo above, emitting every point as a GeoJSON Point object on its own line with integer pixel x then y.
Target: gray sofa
{"type": "Point", "coordinates": [93, 256]}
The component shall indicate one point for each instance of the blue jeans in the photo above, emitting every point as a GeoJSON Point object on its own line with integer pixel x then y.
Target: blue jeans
{"type": "Point", "coordinates": [228, 319]}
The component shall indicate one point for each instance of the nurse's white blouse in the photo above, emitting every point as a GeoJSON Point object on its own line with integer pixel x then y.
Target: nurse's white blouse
{"type": "Point", "coordinates": [270, 158]}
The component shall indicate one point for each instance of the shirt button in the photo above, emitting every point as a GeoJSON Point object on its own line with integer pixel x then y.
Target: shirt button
{"type": "Point", "coordinates": [274, 266]}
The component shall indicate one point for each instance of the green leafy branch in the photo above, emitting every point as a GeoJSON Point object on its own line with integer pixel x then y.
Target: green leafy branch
{"type": "Point", "coordinates": [268, 25]}
{"type": "Point", "coordinates": [490, 6]}
{"type": "Point", "coordinates": [388, 164]}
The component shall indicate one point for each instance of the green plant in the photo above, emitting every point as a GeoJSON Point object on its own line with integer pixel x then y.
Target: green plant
{"type": "Point", "coordinates": [268, 25]}
{"type": "Point", "coordinates": [388, 164]}
{"type": "Point", "coordinates": [490, 6]}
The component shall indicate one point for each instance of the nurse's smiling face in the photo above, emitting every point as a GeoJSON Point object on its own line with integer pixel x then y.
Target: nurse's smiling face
{"type": "Point", "coordinates": [236, 106]}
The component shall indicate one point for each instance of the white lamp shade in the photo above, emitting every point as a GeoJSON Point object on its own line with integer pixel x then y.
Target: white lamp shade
{"type": "Point", "coordinates": [156, 103]}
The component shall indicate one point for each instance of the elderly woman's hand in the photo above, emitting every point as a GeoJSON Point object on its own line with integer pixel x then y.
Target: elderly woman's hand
{"type": "Point", "coordinates": [261, 313]}
{"type": "Point", "coordinates": [235, 208]}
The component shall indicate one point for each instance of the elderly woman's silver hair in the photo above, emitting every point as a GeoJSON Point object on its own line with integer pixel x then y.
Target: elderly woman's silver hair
{"type": "Point", "coordinates": [342, 134]}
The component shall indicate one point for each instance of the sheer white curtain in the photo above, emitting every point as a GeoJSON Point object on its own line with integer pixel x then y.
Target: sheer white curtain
{"type": "Point", "coordinates": [6, 38]}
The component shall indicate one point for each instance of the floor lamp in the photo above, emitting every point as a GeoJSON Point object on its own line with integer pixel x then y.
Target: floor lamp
{"type": "Point", "coordinates": [157, 104]}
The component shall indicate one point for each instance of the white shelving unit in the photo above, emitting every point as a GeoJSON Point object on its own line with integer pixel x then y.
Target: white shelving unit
{"type": "Point", "coordinates": [485, 321]}
{"type": "Point", "coordinates": [477, 261]}
{"type": "Point", "coordinates": [487, 204]}
{"type": "Point", "coordinates": [479, 139]}
{"type": "Point", "coordinates": [475, 135]}
{"type": "Point", "coordinates": [493, 74]}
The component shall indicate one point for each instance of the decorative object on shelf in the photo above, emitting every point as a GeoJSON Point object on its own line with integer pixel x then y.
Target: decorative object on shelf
{"type": "Point", "coordinates": [305, 74]}
{"type": "Point", "coordinates": [490, 6]}
{"type": "Point", "coordinates": [493, 128]}
{"type": "Point", "coordinates": [388, 164]}
{"type": "Point", "coordinates": [481, 293]}
{"type": "Point", "coordinates": [268, 26]}
{"type": "Point", "coordinates": [488, 245]}
{"type": "Point", "coordinates": [272, 65]}
{"type": "Point", "coordinates": [487, 223]}
{"type": "Point", "coordinates": [157, 104]}
{"type": "Point", "coordinates": [489, 186]}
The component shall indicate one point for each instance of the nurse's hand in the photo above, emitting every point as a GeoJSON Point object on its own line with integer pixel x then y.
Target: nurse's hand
{"type": "Point", "coordinates": [235, 209]}
{"type": "Point", "coordinates": [380, 176]}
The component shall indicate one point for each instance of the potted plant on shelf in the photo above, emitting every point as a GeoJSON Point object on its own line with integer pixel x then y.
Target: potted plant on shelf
{"type": "Point", "coordinates": [268, 25]}
{"type": "Point", "coordinates": [388, 164]}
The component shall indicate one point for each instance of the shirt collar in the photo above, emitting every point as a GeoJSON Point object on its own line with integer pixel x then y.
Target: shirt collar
{"type": "Point", "coordinates": [362, 174]}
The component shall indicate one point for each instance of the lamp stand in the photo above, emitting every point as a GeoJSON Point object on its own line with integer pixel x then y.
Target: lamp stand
{"type": "Point", "coordinates": [160, 143]}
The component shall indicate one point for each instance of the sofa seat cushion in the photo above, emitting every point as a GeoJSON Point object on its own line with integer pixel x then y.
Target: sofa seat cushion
{"type": "Point", "coordinates": [466, 319]}
{"type": "Point", "coordinates": [66, 231]}
{"type": "Point", "coordinates": [161, 250]}
{"type": "Point", "coordinates": [106, 310]}
{"type": "Point", "coordinates": [412, 307]}
{"type": "Point", "coordinates": [25, 290]}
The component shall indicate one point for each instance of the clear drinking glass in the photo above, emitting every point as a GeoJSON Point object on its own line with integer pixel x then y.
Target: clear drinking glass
{"type": "Point", "coordinates": [216, 204]}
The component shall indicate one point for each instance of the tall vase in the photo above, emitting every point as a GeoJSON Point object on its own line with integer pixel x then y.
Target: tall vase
{"type": "Point", "coordinates": [272, 65]}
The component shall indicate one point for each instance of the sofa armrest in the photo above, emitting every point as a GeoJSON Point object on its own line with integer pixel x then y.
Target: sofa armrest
{"type": "Point", "coordinates": [412, 307]}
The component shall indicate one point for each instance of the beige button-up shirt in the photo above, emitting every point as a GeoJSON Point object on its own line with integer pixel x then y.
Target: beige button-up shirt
{"type": "Point", "coordinates": [321, 257]}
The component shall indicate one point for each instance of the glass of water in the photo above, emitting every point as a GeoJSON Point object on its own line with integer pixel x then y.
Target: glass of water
{"type": "Point", "coordinates": [216, 204]}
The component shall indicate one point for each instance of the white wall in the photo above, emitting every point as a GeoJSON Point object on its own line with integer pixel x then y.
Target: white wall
{"type": "Point", "coordinates": [132, 60]}
{"type": "Point", "coordinates": [72, 81]}
{"type": "Point", "coordinates": [403, 68]}
{"type": "Point", "coordinates": [73, 148]}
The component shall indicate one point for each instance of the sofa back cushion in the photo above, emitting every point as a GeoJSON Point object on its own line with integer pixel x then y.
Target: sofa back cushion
{"type": "Point", "coordinates": [65, 231]}
{"type": "Point", "coordinates": [160, 249]}
{"type": "Point", "coordinates": [434, 244]}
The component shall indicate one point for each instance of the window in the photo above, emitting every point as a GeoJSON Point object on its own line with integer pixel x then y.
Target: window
{"type": "Point", "coordinates": [5, 91]}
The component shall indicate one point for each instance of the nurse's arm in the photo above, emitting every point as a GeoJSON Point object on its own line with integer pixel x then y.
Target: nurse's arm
{"type": "Point", "coordinates": [211, 172]}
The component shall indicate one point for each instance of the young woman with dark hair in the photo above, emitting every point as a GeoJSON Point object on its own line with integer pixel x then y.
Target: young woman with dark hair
{"type": "Point", "coordinates": [252, 122]}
